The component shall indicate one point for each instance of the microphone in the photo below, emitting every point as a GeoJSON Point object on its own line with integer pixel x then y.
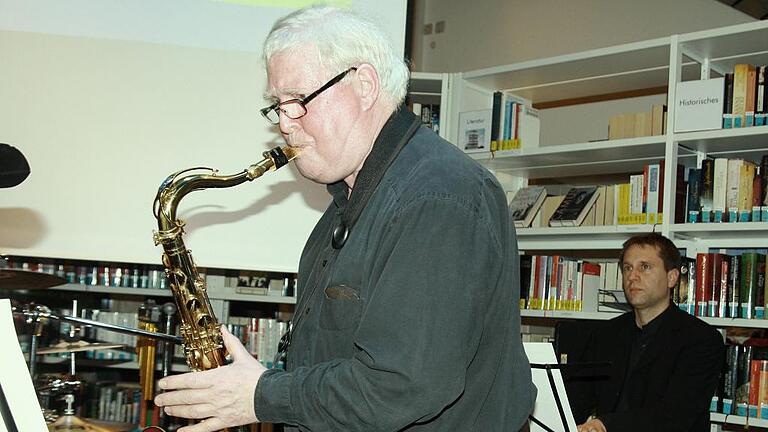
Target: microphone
{"type": "Point", "coordinates": [14, 168]}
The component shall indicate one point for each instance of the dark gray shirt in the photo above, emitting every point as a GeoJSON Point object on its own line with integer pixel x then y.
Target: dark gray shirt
{"type": "Point", "coordinates": [414, 323]}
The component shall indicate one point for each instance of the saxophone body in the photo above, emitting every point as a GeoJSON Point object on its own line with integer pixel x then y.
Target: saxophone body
{"type": "Point", "coordinates": [199, 328]}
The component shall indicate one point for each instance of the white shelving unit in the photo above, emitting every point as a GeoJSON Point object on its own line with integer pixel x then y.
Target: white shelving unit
{"type": "Point", "coordinates": [432, 88]}
{"type": "Point", "coordinates": [654, 64]}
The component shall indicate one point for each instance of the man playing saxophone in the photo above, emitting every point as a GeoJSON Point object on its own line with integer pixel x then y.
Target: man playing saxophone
{"type": "Point", "coordinates": [407, 316]}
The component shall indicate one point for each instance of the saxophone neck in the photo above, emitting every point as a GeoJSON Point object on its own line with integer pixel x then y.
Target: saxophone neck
{"type": "Point", "coordinates": [179, 184]}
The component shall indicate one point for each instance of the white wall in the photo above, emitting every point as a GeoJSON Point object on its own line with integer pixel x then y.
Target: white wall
{"type": "Point", "coordinates": [106, 98]}
{"type": "Point", "coordinates": [484, 33]}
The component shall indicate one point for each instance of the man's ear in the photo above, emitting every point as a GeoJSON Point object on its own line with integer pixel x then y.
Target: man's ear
{"type": "Point", "coordinates": [366, 84]}
{"type": "Point", "coordinates": [672, 277]}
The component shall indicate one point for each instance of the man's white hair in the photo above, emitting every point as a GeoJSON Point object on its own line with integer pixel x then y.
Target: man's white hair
{"type": "Point", "coordinates": [343, 39]}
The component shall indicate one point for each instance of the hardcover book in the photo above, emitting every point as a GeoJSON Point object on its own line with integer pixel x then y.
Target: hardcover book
{"type": "Point", "coordinates": [575, 206]}
{"type": "Point", "coordinates": [525, 205]}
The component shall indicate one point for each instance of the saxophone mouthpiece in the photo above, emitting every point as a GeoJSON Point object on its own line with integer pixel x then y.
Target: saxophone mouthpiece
{"type": "Point", "coordinates": [291, 152]}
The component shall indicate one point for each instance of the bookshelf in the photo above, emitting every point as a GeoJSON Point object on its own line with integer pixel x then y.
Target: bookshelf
{"type": "Point", "coordinates": [659, 63]}
{"type": "Point", "coordinates": [576, 151]}
{"type": "Point", "coordinates": [428, 88]}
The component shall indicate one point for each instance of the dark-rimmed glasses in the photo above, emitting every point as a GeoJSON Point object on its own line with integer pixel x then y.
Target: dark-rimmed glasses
{"type": "Point", "coordinates": [297, 108]}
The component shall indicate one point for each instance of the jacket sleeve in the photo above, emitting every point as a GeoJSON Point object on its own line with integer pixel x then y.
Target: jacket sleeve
{"type": "Point", "coordinates": [689, 391]}
{"type": "Point", "coordinates": [435, 267]}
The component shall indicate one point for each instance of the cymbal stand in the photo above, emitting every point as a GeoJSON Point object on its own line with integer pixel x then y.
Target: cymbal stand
{"type": "Point", "coordinates": [37, 317]}
{"type": "Point", "coordinates": [73, 331]}
{"type": "Point", "coordinates": [169, 309]}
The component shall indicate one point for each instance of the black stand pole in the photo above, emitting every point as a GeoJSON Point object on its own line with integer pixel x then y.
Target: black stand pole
{"type": "Point", "coordinates": [5, 411]}
{"type": "Point", "coordinates": [558, 402]}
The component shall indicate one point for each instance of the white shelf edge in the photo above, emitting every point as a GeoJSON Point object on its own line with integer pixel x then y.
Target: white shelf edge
{"type": "Point", "coordinates": [683, 137]}
{"type": "Point", "coordinates": [721, 31]}
{"type": "Point", "coordinates": [584, 55]}
{"type": "Point", "coordinates": [213, 294]}
{"type": "Point", "coordinates": [735, 227]}
{"type": "Point", "coordinates": [584, 230]}
{"type": "Point", "coordinates": [738, 420]}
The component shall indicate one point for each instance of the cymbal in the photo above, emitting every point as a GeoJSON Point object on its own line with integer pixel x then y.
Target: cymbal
{"type": "Point", "coordinates": [74, 423]}
{"type": "Point", "coordinates": [76, 347]}
{"type": "Point", "coordinates": [15, 279]}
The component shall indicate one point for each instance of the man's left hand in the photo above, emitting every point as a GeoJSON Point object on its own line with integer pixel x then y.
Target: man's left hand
{"type": "Point", "coordinates": [592, 425]}
{"type": "Point", "coordinates": [223, 397]}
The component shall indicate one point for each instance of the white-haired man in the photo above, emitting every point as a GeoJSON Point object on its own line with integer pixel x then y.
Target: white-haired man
{"type": "Point", "coordinates": [407, 316]}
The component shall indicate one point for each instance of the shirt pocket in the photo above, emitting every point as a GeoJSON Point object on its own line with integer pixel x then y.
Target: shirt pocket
{"type": "Point", "coordinates": [340, 309]}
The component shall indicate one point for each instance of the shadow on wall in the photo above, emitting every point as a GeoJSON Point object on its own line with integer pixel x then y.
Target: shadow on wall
{"type": "Point", "coordinates": [20, 228]}
{"type": "Point", "coordinates": [315, 198]}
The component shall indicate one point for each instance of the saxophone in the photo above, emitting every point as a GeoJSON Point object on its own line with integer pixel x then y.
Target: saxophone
{"type": "Point", "coordinates": [200, 330]}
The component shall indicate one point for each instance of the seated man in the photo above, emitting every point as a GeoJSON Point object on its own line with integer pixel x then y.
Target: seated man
{"type": "Point", "coordinates": [664, 362]}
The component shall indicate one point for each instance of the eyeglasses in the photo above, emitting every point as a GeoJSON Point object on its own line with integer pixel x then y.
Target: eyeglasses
{"type": "Point", "coordinates": [297, 108]}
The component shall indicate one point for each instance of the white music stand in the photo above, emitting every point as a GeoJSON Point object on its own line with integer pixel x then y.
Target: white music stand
{"type": "Point", "coordinates": [549, 383]}
{"type": "Point", "coordinates": [22, 409]}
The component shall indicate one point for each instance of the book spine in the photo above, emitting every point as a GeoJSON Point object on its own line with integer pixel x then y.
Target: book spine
{"type": "Point", "coordinates": [495, 120]}
{"type": "Point", "coordinates": [719, 189]}
{"type": "Point", "coordinates": [706, 189]}
{"type": "Point", "coordinates": [728, 102]}
{"type": "Point", "coordinates": [734, 286]}
{"type": "Point", "coordinates": [693, 195]}
{"type": "Point", "coordinates": [761, 105]}
{"type": "Point", "coordinates": [722, 281]}
{"type": "Point", "coordinates": [743, 380]}
{"type": "Point", "coordinates": [703, 283]}
{"type": "Point", "coordinates": [713, 306]}
{"type": "Point", "coordinates": [740, 75]}
{"type": "Point", "coordinates": [748, 284]}
{"type": "Point", "coordinates": [764, 186]}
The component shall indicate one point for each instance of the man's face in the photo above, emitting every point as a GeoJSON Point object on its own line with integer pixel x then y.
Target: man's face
{"type": "Point", "coordinates": [646, 282]}
{"type": "Point", "coordinates": [326, 135]}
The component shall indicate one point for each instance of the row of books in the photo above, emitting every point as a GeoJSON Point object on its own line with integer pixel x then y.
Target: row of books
{"type": "Point", "coordinates": [260, 336]}
{"type": "Point", "coordinates": [149, 276]}
{"type": "Point", "coordinates": [114, 402]}
{"type": "Point", "coordinates": [637, 202]}
{"type": "Point", "coordinates": [728, 190]}
{"type": "Point", "coordinates": [634, 125]}
{"type": "Point", "coordinates": [553, 282]}
{"type": "Point", "coordinates": [514, 123]}
{"type": "Point", "coordinates": [745, 96]}
{"type": "Point", "coordinates": [724, 284]}
{"type": "Point", "coordinates": [104, 274]}
{"type": "Point", "coordinates": [743, 387]}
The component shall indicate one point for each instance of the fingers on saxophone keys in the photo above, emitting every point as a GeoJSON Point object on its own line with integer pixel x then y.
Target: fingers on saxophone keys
{"type": "Point", "coordinates": [182, 398]}
{"type": "Point", "coordinates": [199, 411]}
{"type": "Point", "coordinates": [192, 380]}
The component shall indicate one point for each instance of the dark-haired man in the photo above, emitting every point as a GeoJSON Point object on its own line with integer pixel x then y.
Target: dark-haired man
{"type": "Point", "coordinates": [664, 362]}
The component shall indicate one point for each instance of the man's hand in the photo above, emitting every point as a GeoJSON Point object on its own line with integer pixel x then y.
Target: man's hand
{"type": "Point", "coordinates": [592, 425]}
{"type": "Point", "coordinates": [223, 397]}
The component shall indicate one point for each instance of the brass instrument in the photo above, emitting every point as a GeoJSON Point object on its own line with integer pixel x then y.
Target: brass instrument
{"type": "Point", "coordinates": [203, 344]}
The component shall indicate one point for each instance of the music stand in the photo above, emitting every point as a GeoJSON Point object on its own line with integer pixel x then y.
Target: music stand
{"type": "Point", "coordinates": [552, 412]}
{"type": "Point", "coordinates": [21, 409]}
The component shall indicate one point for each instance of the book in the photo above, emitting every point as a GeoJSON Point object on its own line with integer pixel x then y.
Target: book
{"type": "Point", "coordinates": [694, 183]}
{"type": "Point", "coordinates": [574, 207]}
{"type": "Point", "coordinates": [703, 283]}
{"type": "Point", "coordinates": [734, 286]}
{"type": "Point", "coordinates": [761, 103]}
{"type": "Point", "coordinates": [706, 189]}
{"type": "Point", "coordinates": [728, 102]}
{"type": "Point", "coordinates": [719, 189]}
{"type": "Point", "coordinates": [764, 188]}
{"type": "Point", "coordinates": [525, 205]}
